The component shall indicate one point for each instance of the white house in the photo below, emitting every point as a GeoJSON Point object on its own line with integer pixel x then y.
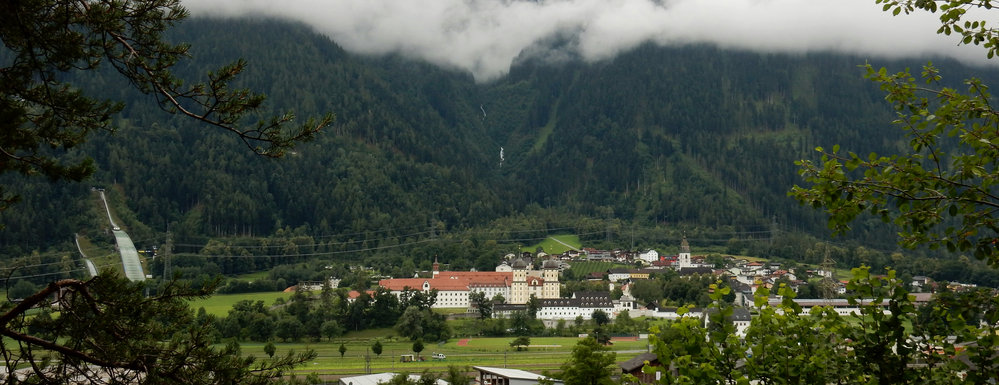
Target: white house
{"type": "Point", "coordinates": [618, 274]}
{"type": "Point", "coordinates": [649, 256]}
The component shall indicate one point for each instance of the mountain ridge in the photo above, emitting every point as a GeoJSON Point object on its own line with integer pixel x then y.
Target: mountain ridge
{"type": "Point", "coordinates": [664, 136]}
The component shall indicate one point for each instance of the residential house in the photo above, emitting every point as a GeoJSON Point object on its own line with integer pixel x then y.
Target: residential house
{"type": "Point", "coordinates": [649, 256]}
{"type": "Point", "coordinates": [635, 364]}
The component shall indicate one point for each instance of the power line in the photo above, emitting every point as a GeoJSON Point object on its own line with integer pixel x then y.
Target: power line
{"type": "Point", "coordinates": [61, 272]}
{"type": "Point", "coordinates": [281, 246]}
{"type": "Point", "coordinates": [316, 254]}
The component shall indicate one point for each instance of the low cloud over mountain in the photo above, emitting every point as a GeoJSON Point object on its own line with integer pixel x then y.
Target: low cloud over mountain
{"type": "Point", "coordinates": [485, 36]}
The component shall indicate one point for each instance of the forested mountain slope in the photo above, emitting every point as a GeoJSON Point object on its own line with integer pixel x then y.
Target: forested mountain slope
{"type": "Point", "coordinates": [689, 135]}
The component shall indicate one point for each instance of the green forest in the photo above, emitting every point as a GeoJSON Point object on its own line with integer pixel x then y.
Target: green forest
{"type": "Point", "coordinates": [422, 161]}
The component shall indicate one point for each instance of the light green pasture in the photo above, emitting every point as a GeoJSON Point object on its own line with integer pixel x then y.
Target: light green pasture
{"type": "Point", "coordinates": [546, 353]}
{"type": "Point", "coordinates": [219, 304]}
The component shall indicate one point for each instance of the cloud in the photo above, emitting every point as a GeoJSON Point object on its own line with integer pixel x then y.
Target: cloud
{"type": "Point", "coordinates": [485, 36]}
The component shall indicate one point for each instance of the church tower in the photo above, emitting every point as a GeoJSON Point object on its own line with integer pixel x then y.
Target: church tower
{"type": "Point", "coordinates": [518, 288]}
{"type": "Point", "coordinates": [683, 260]}
{"type": "Point", "coordinates": [549, 272]}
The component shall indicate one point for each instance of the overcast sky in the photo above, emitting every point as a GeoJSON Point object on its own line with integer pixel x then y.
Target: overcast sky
{"type": "Point", "coordinates": [486, 36]}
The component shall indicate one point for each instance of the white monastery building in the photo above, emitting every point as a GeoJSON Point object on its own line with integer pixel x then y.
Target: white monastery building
{"type": "Point", "coordinates": [515, 282]}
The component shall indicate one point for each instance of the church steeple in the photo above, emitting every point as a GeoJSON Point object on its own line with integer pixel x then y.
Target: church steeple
{"type": "Point", "coordinates": [683, 259]}
{"type": "Point", "coordinates": [436, 266]}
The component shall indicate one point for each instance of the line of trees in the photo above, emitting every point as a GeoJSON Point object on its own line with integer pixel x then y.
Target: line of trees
{"type": "Point", "coordinates": [331, 314]}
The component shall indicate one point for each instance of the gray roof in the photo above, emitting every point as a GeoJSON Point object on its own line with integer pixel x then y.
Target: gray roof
{"type": "Point", "coordinates": [738, 314]}
{"type": "Point", "coordinates": [512, 373]}
{"type": "Point", "coordinates": [592, 295]}
{"type": "Point", "coordinates": [703, 270]}
{"type": "Point", "coordinates": [508, 307]}
{"type": "Point", "coordinates": [378, 378]}
{"type": "Point", "coordinates": [638, 361]}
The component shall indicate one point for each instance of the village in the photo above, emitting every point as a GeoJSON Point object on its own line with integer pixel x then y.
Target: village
{"type": "Point", "coordinates": [534, 277]}
{"type": "Point", "coordinates": [518, 278]}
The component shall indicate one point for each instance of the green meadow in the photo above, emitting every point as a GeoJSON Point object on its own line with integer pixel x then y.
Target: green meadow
{"type": "Point", "coordinates": [545, 353]}
{"type": "Point", "coordinates": [556, 244]}
{"type": "Point", "coordinates": [219, 304]}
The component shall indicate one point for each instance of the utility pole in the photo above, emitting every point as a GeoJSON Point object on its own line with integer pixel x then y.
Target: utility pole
{"type": "Point", "coordinates": [828, 285]}
{"type": "Point", "coordinates": [774, 229]}
{"type": "Point", "coordinates": [167, 249]}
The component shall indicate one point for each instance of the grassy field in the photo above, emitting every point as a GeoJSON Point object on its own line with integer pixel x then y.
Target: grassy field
{"type": "Point", "coordinates": [551, 245]}
{"type": "Point", "coordinates": [219, 304]}
{"type": "Point", "coordinates": [582, 268]}
{"type": "Point", "coordinates": [253, 276]}
{"type": "Point", "coordinates": [546, 353]}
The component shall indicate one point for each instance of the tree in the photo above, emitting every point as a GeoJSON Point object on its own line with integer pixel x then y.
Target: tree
{"type": "Point", "coordinates": [942, 194]}
{"type": "Point", "coordinates": [384, 309]}
{"type": "Point", "coordinates": [416, 323]}
{"type": "Point", "coordinates": [785, 344]}
{"type": "Point", "coordinates": [624, 323]}
{"type": "Point", "coordinates": [456, 375]}
{"type": "Point", "coordinates": [409, 298]}
{"type": "Point", "coordinates": [410, 324]}
{"type": "Point", "coordinates": [426, 378]}
{"type": "Point", "coordinates": [331, 329]}
{"type": "Point", "coordinates": [342, 349]}
{"type": "Point", "coordinates": [600, 317]}
{"type": "Point", "coordinates": [417, 347]}
{"type": "Point", "coordinates": [521, 342]}
{"type": "Point", "coordinates": [377, 348]}
{"type": "Point", "coordinates": [520, 323]}
{"type": "Point", "coordinates": [269, 349]}
{"type": "Point", "coordinates": [288, 328]}
{"type": "Point", "coordinates": [107, 328]}
{"type": "Point", "coordinates": [617, 293]}
{"type": "Point", "coordinates": [601, 336]}
{"type": "Point", "coordinates": [42, 110]}
{"type": "Point", "coordinates": [358, 312]}
{"type": "Point", "coordinates": [480, 302]}
{"type": "Point", "coordinates": [21, 289]}
{"type": "Point", "coordinates": [533, 305]}
{"type": "Point", "coordinates": [590, 364]}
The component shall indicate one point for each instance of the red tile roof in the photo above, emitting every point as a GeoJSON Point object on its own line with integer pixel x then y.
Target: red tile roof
{"type": "Point", "coordinates": [451, 281]}
{"type": "Point", "coordinates": [353, 294]}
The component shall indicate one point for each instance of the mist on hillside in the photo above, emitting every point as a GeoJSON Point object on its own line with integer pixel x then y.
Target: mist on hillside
{"type": "Point", "coordinates": [485, 37]}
